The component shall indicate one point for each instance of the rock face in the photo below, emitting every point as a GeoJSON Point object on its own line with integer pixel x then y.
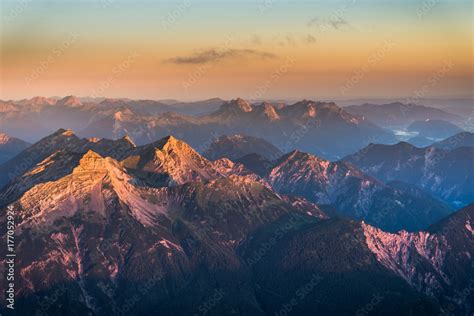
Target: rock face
{"type": "Point", "coordinates": [172, 160]}
{"type": "Point", "coordinates": [327, 267]}
{"type": "Point", "coordinates": [70, 101]}
{"type": "Point", "coordinates": [161, 230]}
{"type": "Point", "coordinates": [426, 260]}
{"type": "Point", "coordinates": [10, 147]}
{"type": "Point", "coordinates": [353, 193]}
{"type": "Point", "coordinates": [447, 174]}
{"type": "Point", "coordinates": [237, 146]}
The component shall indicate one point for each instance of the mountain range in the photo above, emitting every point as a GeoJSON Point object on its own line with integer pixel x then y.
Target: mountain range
{"type": "Point", "coordinates": [400, 115]}
{"type": "Point", "coordinates": [32, 119]}
{"type": "Point", "coordinates": [445, 173]}
{"type": "Point", "coordinates": [306, 125]}
{"type": "Point", "coordinates": [108, 227]}
{"type": "Point", "coordinates": [248, 209]}
{"type": "Point", "coordinates": [170, 162]}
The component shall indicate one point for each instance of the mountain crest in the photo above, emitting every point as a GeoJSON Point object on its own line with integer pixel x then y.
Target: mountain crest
{"type": "Point", "coordinates": [170, 141]}
{"type": "Point", "coordinates": [270, 112]}
{"type": "Point", "coordinates": [4, 138]}
{"type": "Point", "coordinates": [128, 140]}
{"type": "Point", "coordinates": [41, 101]}
{"type": "Point", "coordinates": [91, 161]}
{"type": "Point", "coordinates": [243, 105]}
{"type": "Point", "coordinates": [238, 104]}
{"type": "Point", "coordinates": [295, 154]}
{"type": "Point", "coordinates": [305, 108]}
{"type": "Point", "coordinates": [62, 132]}
{"type": "Point", "coordinates": [173, 149]}
{"type": "Point", "coordinates": [69, 101]}
{"type": "Point", "coordinates": [172, 158]}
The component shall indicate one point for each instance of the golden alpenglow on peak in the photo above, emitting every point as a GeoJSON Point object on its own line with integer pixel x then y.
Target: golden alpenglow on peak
{"type": "Point", "coordinates": [91, 161]}
{"type": "Point", "coordinates": [321, 148]}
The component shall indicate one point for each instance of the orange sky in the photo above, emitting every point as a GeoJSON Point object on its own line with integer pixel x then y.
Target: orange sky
{"type": "Point", "coordinates": [191, 50]}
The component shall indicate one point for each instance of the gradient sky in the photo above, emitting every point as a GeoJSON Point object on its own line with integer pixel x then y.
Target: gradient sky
{"type": "Point", "coordinates": [261, 49]}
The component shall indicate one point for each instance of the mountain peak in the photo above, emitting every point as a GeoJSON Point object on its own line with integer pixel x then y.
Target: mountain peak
{"type": "Point", "coordinates": [270, 111]}
{"type": "Point", "coordinates": [174, 159]}
{"type": "Point", "coordinates": [123, 115]}
{"type": "Point", "coordinates": [68, 133]}
{"type": "Point", "coordinates": [91, 161]}
{"type": "Point", "coordinates": [171, 146]}
{"type": "Point", "coordinates": [169, 142]}
{"type": "Point", "coordinates": [4, 138]}
{"type": "Point", "coordinates": [239, 104]}
{"type": "Point", "coordinates": [304, 108]}
{"type": "Point", "coordinates": [42, 100]}
{"type": "Point", "coordinates": [94, 139]}
{"type": "Point", "coordinates": [127, 139]}
{"type": "Point", "coordinates": [62, 132]}
{"type": "Point", "coordinates": [69, 101]}
{"type": "Point", "coordinates": [294, 153]}
{"type": "Point", "coordinates": [402, 144]}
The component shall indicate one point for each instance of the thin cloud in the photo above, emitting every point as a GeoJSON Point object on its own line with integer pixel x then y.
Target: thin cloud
{"type": "Point", "coordinates": [288, 40]}
{"type": "Point", "coordinates": [256, 40]}
{"type": "Point", "coordinates": [310, 39]}
{"type": "Point", "coordinates": [214, 55]}
{"type": "Point", "coordinates": [313, 21]}
{"type": "Point", "coordinates": [336, 23]}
